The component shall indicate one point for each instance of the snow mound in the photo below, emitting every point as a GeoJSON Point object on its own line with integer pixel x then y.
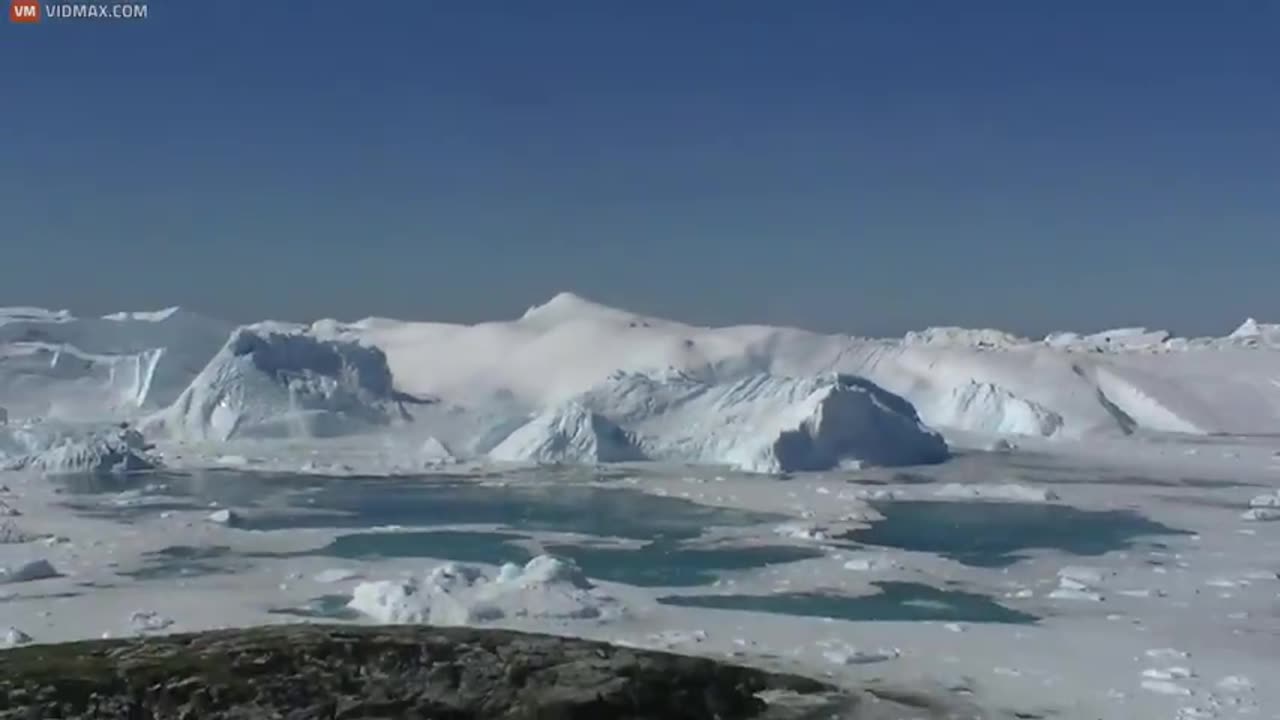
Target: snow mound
{"type": "Point", "coordinates": [545, 588]}
{"type": "Point", "coordinates": [273, 380]}
{"type": "Point", "coordinates": [570, 434]}
{"type": "Point", "coordinates": [12, 534]}
{"type": "Point", "coordinates": [761, 423]}
{"type": "Point", "coordinates": [988, 408]}
{"type": "Point", "coordinates": [121, 449]}
{"type": "Point", "coordinates": [1253, 332]}
{"type": "Point", "coordinates": [12, 637]}
{"type": "Point", "coordinates": [433, 452]}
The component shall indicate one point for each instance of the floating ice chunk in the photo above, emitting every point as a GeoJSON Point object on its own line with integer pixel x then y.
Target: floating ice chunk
{"type": "Point", "coordinates": [13, 637]}
{"type": "Point", "coordinates": [335, 575]}
{"type": "Point", "coordinates": [224, 517]}
{"type": "Point", "coordinates": [143, 621]}
{"type": "Point", "coordinates": [1261, 514]}
{"type": "Point", "coordinates": [390, 601]}
{"type": "Point", "coordinates": [453, 594]}
{"type": "Point", "coordinates": [1166, 653]}
{"type": "Point", "coordinates": [800, 531]}
{"type": "Point", "coordinates": [871, 563]}
{"type": "Point", "coordinates": [1143, 592]}
{"type": "Point", "coordinates": [1164, 687]}
{"type": "Point", "coordinates": [26, 572]}
{"type": "Point", "coordinates": [1169, 673]}
{"type": "Point", "coordinates": [852, 656]}
{"type": "Point", "coordinates": [1269, 500]}
{"type": "Point", "coordinates": [1075, 593]}
{"type": "Point", "coordinates": [1235, 684]}
{"type": "Point", "coordinates": [1015, 492]}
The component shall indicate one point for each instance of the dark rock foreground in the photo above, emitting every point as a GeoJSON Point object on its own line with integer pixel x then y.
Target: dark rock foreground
{"type": "Point", "coordinates": [300, 672]}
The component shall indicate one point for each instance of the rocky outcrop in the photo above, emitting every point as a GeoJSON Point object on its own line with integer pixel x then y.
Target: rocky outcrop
{"type": "Point", "coordinates": [315, 671]}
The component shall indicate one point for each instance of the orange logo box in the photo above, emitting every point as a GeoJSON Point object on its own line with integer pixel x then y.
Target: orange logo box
{"type": "Point", "coordinates": [24, 11]}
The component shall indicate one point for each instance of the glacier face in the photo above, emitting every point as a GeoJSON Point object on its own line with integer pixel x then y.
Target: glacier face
{"type": "Point", "coordinates": [273, 380]}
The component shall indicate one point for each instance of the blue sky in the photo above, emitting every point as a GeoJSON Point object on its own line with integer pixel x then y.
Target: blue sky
{"type": "Point", "coordinates": [867, 167]}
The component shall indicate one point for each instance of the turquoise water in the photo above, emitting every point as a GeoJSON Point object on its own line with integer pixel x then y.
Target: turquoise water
{"type": "Point", "coordinates": [664, 564]}
{"type": "Point", "coordinates": [896, 601]}
{"type": "Point", "coordinates": [283, 501]}
{"type": "Point", "coordinates": [325, 607]}
{"type": "Point", "coordinates": [657, 564]}
{"type": "Point", "coordinates": [994, 534]}
{"type": "Point", "coordinates": [460, 546]}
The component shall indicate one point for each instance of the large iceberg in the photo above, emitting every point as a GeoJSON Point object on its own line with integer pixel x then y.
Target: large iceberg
{"type": "Point", "coordinates": [55, 364]}
{"type": "Point", "coordinates": [274, 380]}
{"type": "Point", "coordinates": [761, 423]}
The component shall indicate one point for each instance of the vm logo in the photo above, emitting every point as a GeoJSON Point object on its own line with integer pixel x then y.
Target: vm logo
{"type": "Point", "coordinates": [24, 11]}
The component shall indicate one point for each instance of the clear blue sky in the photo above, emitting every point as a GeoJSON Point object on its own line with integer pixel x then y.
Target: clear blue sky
{"type": "Point", "coordinates": [860, 166]}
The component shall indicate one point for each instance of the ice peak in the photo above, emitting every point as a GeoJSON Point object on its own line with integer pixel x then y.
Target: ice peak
{"type": "Point", "coordinates": [1248, 328]}
{"type": "Point", "coordinates": [571, 306]}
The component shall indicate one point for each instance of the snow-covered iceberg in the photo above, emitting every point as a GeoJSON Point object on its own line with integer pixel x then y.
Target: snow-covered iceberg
{"type": "Point", "coordinates": [546, 587]}
{"type": "Point", "coordinates": [274, 380]}
{"type": "Point", "coordinates": [569, 434]}
{"type": "Point", "coordinates": [989, 408]}
{"type": "Point", "coordinates": [761, 423]}
{"type": "Point", "coordinates": [88, 450]}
